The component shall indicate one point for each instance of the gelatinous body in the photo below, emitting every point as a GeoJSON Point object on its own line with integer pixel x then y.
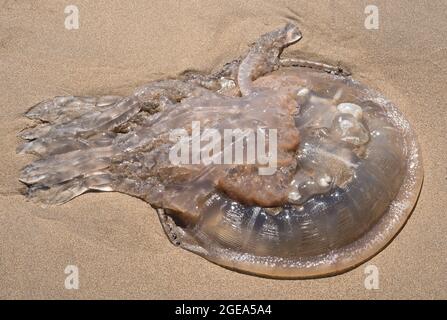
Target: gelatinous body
{"type": "Point", "coordinates": [345, 176]}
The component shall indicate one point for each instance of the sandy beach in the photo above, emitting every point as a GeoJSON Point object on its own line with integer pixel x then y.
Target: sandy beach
{"type": "Point", "coordinates": [115, 240]}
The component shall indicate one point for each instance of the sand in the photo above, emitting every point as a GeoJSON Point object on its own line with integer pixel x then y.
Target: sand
{"type": "Point", "coordinates": [115, 240]}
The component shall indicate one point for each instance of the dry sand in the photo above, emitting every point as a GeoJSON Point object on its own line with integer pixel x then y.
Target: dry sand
{"type": "Point", "coordinates": [115, 240]}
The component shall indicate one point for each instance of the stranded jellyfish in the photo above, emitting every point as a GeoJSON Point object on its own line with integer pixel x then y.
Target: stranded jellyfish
{"type": "Point", "coordinates": [273, 166]}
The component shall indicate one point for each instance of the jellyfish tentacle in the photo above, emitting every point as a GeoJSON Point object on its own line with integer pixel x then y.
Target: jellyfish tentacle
{"type": "Point", "coordinates": [263, 55]}
{"type": "Point", "coordinates": [156, 95]}
{"type": "Point", "coordinates": [92, 128]}
{"type": "Point", "coordinates": [64, 108]}
{"type": "Point", "coordinates": [296, 62]}
{"type": "Point", "coordinates": [74, 153]}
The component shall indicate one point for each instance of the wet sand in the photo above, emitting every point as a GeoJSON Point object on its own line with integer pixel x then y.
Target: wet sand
{"type": "Point", "coordinates": [115, 240]}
